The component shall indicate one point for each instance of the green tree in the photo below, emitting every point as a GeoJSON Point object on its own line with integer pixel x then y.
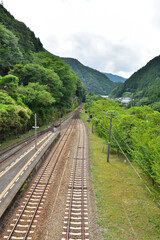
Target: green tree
{"type": "Point", "coordinates": [13, 117]}
{"type": "Point", "coordinates": [66, 75]}
{"type": "Point", "coordinates": [36, 73]}
{"type": "Point", "coordinates": [80, 91]}
{"type": "Point", "coordinates": [137, 131]}
{"type": "Point", "coordinates": [9, 83]}
{"type": "Point", "coordinates": [10, 53]}
{"type": "Point", "coordinates": [28, 43]}
{"type": "Point", "coordinates": [156, 106]}
{"type": "Point", "coordinates": [38, 99]}
{"type": "Point", "coordinates": [36, 95]}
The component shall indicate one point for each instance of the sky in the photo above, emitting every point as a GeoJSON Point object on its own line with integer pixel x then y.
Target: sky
{"type": "Point", "coordinates": [113, 36]}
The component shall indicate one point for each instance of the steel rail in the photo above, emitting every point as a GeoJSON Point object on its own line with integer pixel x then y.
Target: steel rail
{"type": "Point", "coordinates": [23, 142]}
{"type": "Point", "coordinates": [82, 200]}
{"type": "Point", "coordinates": [34, 214]}
{"type": "Point", "coordinates": [82, 188]}
{"type": "Point", "coordinates": [71, 197]}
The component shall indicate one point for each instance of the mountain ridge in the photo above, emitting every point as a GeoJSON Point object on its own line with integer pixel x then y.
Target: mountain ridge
{"type": "Point", "coordinates": [115, 78]}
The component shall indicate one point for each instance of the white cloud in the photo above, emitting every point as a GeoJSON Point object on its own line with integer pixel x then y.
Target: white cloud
{"type": "Point", "coordinates": [117, 36]}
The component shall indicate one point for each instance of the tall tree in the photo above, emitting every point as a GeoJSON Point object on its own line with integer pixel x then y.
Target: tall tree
{"type": "Point", "coordinates": [10, 53]}
{"type": "Point", "coordinates": [36, 73]}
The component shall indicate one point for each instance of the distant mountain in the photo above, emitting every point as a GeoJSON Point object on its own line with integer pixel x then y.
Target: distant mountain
{"type": "Point", "coordinates": [115, 78]}
{"type": "Point", "coordinates": [94, 80]}
{"type": "Point", "coordinates": [144, 85]}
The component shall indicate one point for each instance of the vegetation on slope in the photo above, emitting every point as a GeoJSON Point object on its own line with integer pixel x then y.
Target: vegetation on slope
{"type": "Point", "coordinates": [143, 85]}
{"type": "Point", "coordinates": [124, 206]}
{"type": "Point", "coordinates": [136, 131]}
{"type": "Point", "coordinates": [94, 80]}
{"type": "Point", "coordinates": [32, 79]}
{"type": "Point", "coordinates": [27, 40]}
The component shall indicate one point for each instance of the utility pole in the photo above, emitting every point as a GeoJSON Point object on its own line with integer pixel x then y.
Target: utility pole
{"type": "Point", "coordinates": [53, 119]}
{"type": "Point", "coordinates": [60, 115]}
{"type": "Point", "coordinates": [92, 127]}
{"type": "Point", "coordinates": [35, 127]}
{"type": "Point", "coordinates": [23, 59]}
{"type": "Point", "coordinates": [89, 108]}
{"type": "Point", "coordinates": [133, 102]}
{"type": "Point", "coordinates": [109, 140]}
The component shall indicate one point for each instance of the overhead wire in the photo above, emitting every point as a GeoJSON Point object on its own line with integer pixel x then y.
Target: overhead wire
{"type": "Point", "coordinates": [122, 138]}
{"type": "Point", "coordinates": [129, 162]}
{"type": "Point", "coordinates": [144, 169]}
{"type": "Point", "coordinates": [128, 158]}
{"type": "Point", "coordinates": [131, 151]}
{"type": "Point", "coordinates": [134, 168]}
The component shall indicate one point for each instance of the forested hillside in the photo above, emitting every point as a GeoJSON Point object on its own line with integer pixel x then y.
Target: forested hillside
{"type": "Point", "coordinates": [32, 79]}
{"type": "Point", "coordinates": [94, 80]}
{"type": "Point", "coordinates": [143, 85]}
{"type": "Point", "coordinates": [135, 132]}
{"type": "Point", "coordinates": [17, 41]}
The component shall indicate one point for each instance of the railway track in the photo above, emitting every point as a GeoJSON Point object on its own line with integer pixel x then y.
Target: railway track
{"type": "Point", "coordinates": [15, 148]}
{"type": "Point", "coordinates": [24, 224]}
{"type": "Point", "coordinates": [76, 213]}
{"type": "Point", "coordinates": [6, 153]}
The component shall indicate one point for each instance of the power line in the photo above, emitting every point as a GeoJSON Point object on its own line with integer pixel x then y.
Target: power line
{"type": "Point", "coordinates": [134, 168]}
{"type": "Point", "coordinates": [144, 169]}
{"type": "Point", "coordinates": [126, 156]}
{"type": "Point", "coordinates": [132, 151]}
{"type": "Point", "coordinates": [123, 152]}
{"type": "Point", "coordinates": [122, 138]}
{"type": "Point", "coordinates": [130, 162]}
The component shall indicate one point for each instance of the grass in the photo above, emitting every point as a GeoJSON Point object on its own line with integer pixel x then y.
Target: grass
{"type": "Point", "coordinates": [125, 208]}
